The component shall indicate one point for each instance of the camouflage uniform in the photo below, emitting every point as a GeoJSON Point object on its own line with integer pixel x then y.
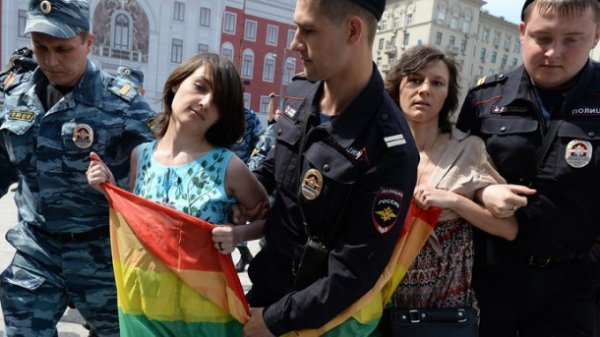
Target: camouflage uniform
{"type": "Point", "coordinates": [134, 78]}
{"type": "Point", "coordinates": [61, 240]}
{"type": "Point", "coordinates": [243, 148]}
{"type": "Point", "coordinates": [263, 146]}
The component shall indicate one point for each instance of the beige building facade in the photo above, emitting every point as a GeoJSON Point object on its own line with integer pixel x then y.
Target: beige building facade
{"type": "Point", "coordinates": [481, 43]}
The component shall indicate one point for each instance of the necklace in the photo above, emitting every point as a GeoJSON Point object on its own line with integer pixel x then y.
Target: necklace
{"type": "Point", "coordinates": [432, 148]}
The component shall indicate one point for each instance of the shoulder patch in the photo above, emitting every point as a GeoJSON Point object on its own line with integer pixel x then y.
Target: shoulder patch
{"type": "Point", "coordinates": [488, 80]}
{"type": "Point", "coordinates": [123, 90]}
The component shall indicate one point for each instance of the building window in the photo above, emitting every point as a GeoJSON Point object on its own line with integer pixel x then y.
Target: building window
{"type": "Point", "coordinates": [290, 69]}
{"type": "Point", "coordinates": [482, 55]}
{"type": "Point", "coordinates": [264, 103]}
{"type": "Point", "coordinates": [272, 32]}
{"type": "Point", "coordinates": [247, 100]}
{"type": "Point", "coordinates": [121, 32]}
{"type": "Point", "coordinates": [504, 60]}
{"type": "Point", "coordinates": [205, 17]}
{"type": "Point", "coordinates": [496, 41]}
{"type": "Point", "coordinates": [380, 44]}
{"type": "Point", "coordinates": [438, 38]}
{"type": "Point", "coordinates": [507, 42]}
{"type": "Point", "coordinates": [441, 14]}
{"type": "Point", "coordinates": [227, 51]}
{"type": "Point", "coordinates": [406, 39]}
{"type": "Point", "coordinates": [514, 62]}
{"type": "Point", "coordinates": [517, 48]}
{"type": "Point", "coordinates": [179, 13]}
{"type": "Point", "coordinates": [229, 23]}
{"type": "Point", "coordinates": [466, 27]}
{"type": "Point", "coordinates": [202, 48]}
{"type": "Point", "coordinates": [454, 22]}
{"type": "Point", "coordinates": [176, 50]}
{"type": "Point", "coordinates": [463, 46]}
{"type": "Point", "coordinates": [269, 68]}
{"type": "Point", "coordinates": [485, 36]}
{"type": "Point", "coordinates": [396, 23]}
{"type": "Point", "coordinates": [452, 40]}
{"type": "Point", "coordinates": [494, 55]}
{"type": "Point", "coordinates": [247, 64]}
{"type": "Point", "coordinates": [290, 37]}
{"type": "Point", "coordinates": [409, 19]}
{"type": "Point", "coordinates": [22, 21]}
{"type": "Point", "coordinates": [250, 30]}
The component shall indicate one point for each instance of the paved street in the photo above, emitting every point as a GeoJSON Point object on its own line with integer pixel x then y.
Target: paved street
{"type": "Point", "coordinates": [71, 323]}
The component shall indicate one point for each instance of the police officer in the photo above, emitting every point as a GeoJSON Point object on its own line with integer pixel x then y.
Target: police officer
{"type": "Point", "coordinates": [343, 170]}
{"type": "Point", "coordinates": [541, 126]}
{"type": "Point", "coordinates": [49, 124]}
{"type": "Point", "coordinates": [132, 77]}
{"type": "Point", "coordinates": [243, 149]}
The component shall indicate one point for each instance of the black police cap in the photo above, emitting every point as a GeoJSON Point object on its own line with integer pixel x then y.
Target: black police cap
{"type": "Point", "coordinates": [374, 6]}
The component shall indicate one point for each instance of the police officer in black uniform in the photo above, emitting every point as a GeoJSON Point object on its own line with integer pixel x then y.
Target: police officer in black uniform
{"type": "Point", "coordinates": [343, 171]}
{"type": "Point", "coordinates": [541, 126]}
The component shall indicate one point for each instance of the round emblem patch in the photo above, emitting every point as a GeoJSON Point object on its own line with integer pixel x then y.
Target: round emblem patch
{"type": "Point", "coordinates": [83, 136]}
{"type": "Point", "coordinates": [46, 7]}
{"type": "Point", "coordinates": [312, 184]}
{"type": "Point", "coordinates": [578, 153]}
{"type": "Point", "coordinates": [386, 209]}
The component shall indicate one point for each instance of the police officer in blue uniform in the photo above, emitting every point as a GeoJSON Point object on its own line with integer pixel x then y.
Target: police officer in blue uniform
{"type": "Point", "coordinates": [343, 170]}
{"type": "Point", "coordinates": [541, 126]}
{"type": "Point", "coordinates": [51, 120]}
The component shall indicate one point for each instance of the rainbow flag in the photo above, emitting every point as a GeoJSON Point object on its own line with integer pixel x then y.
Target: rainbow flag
{"type": "Point", "coordinates": [171, 281]}
{"type": "Point", "coordinates": [362, 317]}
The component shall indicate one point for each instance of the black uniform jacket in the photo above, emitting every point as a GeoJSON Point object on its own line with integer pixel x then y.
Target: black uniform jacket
{"type": "Point", "coordinates": [563, 217]}
{"type": "Point", "coordinates": [357, 173]}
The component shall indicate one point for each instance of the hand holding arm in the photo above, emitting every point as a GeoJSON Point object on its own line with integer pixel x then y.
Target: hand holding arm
{"type": "Point", "coordinates": [256, 326]}
{"type": "Point", "coordinates": [502, 200]}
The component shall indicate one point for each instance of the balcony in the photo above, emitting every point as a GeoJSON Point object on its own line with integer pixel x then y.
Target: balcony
{"type": "Point", "coordinates": [390, 49]}
{"type": "Point", "coordinates": [107, 51]}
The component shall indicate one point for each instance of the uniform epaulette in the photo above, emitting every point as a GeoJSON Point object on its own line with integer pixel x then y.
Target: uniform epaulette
{"type": "Point", "coordinates": [488, 80]}
{"type": "Point", "coordinates": [122, 89]}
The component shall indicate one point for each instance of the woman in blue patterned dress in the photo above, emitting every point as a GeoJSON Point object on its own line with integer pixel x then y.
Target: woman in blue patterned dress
{"type": "Point", "coordinates": [190, 167]}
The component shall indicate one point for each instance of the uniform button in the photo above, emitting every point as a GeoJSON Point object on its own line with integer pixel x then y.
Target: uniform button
{"type": "Point", "coordinates": [503, 128]}
{"type": "Point", "coordinates": [384, 117]}
{"type": "Point", "coordinates": [592, 134]}
{"type": "Point", "coordinates": [326, 167]}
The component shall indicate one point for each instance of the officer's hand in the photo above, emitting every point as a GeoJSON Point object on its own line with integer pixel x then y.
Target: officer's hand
{"type": "Point", "coordinates": [98, 173]}
{"type": "Point", "coordinates": [240, 214]}
{"type": "Point", "coordinates": [256, 326]}
{"type": "Point", "coordinates": [225, 239]}
{"type": "Point", "coordinates": [503, 200]}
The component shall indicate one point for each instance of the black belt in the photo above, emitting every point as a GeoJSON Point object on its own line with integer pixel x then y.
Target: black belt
{"type": "Point", "coordinates": [96, 233]}
{"type": "Point", "coordinates": [541, 262]}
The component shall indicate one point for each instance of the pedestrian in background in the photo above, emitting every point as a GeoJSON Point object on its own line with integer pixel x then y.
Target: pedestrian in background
{"type": "Point", "coordinates": [541, 126]}
{"type": "Point", "coordinates": [343, 171]}
{"type": "Point", "coordinates": [243, 149]}
{"type": "Point", "coordinates": [50, 122]}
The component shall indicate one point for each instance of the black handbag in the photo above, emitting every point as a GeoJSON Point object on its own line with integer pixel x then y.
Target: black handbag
{"type": "Point", "coordinates": [434, 322]}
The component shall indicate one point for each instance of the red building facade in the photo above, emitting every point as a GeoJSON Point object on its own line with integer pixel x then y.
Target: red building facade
{"type": "Point", "coordinates": [259, 47]}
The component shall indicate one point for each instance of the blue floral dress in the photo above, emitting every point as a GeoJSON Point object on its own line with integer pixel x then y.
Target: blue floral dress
{"type": "Point", "coordinates": [196, 188]}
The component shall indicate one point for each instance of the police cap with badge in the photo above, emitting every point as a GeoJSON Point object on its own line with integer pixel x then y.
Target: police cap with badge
{"type": "Point", "coordinates": [63, 19]}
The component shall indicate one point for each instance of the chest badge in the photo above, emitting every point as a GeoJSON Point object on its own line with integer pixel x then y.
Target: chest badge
{"type": "Point", "coordinates": [83, 136]}
{"type": "Point", "coordinates": [578, 153]}
{"type": "Point", "coordinates": [312, 184]}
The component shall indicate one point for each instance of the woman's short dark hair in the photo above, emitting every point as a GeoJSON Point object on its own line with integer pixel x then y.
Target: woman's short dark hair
{"type": "Point", "coordinates": [227, 96]}
{"type": "Point", "coordinates": [415, 59]}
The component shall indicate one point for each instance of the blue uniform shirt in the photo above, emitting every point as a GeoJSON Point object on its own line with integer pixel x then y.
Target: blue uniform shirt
{"type": "Point", "coordinates": [49, 150]}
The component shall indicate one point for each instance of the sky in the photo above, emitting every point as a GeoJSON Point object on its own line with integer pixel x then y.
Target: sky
{"type": "Point", "coordinates": [509, 9]}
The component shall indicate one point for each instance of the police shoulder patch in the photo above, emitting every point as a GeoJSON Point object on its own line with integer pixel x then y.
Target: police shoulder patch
{"type": "Point", "coordinates": [386, 209]}
{"type": "Point", "coordinates": [489, 80]}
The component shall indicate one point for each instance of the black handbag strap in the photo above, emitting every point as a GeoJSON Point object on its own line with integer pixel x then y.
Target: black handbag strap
{"type": "Point", "coordinates": [541, 152]}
